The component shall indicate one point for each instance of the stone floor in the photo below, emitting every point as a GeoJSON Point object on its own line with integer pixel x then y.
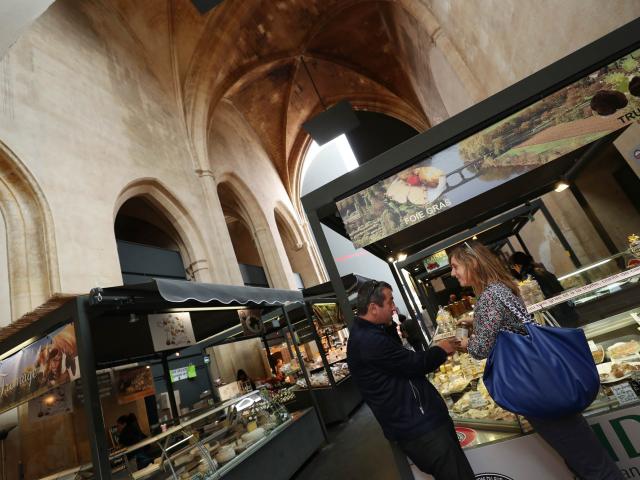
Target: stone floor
{"type": "Point", "coordinates": [357, 451]}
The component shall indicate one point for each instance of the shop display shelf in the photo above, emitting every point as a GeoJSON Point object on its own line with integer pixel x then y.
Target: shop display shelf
{"type": "Point", "coordinates": [492, 425]}
{"type": "Point", "coordinates": [224, 468]}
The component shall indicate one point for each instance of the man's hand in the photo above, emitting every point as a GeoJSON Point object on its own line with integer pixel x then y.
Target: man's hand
{"type": "Point", "coordinates": [450, 345]}
{"type": "Point", "coordinates": [466, 324]}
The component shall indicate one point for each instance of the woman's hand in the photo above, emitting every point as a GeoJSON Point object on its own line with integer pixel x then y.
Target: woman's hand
{"type": "Point", "coordinates": [468, 324]}
{"type": "Point", "coordinates": [463, 344]}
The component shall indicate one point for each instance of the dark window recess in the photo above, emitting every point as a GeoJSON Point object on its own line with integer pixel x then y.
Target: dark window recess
{"type": "Point", "coordinates": [377, 133]}
{"type": "Point", "coordinates": [629, 183]}
{"type": "Point", "coordinates": [253, 276]}
{"type": "Point", "coordinates": [139, 262]}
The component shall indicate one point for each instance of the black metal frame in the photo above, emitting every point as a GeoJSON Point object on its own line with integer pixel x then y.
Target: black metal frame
{"type": "Point", "coordinates": [319, 205]}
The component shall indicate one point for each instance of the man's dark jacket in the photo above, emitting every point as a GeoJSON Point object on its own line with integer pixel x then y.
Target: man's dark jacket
{"type": "Point", "coordinates": [393, 383]}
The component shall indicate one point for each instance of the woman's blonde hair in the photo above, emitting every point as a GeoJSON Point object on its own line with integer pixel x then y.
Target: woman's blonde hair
{"type": "Point", "coordinates": [483, 267]}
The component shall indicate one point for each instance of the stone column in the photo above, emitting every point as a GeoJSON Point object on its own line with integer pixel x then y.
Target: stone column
{"type": "Point", "coordinates": [274, 257]}
{"type": "Point", "coordinates": [223, 264]}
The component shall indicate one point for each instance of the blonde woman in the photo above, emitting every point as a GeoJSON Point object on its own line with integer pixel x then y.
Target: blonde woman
{"type": "Point", "coordinates": [500, 307]}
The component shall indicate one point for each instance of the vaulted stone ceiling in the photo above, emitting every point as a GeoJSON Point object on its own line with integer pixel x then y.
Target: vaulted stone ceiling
{"type": "Point", "coordinates": [253, 53]}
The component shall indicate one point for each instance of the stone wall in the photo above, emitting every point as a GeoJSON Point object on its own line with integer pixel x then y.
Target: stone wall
{"type": "Point", "coordinates": [503, 41]}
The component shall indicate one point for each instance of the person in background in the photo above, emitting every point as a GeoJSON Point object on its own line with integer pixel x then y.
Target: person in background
{"type": "Point", "coordinates": [453, 298]}
{"type": "Point", "coordinates": [410, 330]}
{"type": "Point", "coordinates": [129, 433]}
{"type": "Point", "coordinates": [393, 383]}
{"type": "Point", "coordinates": [393, 327]}
{"type": "Point", "coordinates": [278, 363]}
{"type": "Point", "coordinates": [476, 266]}
{"type": "Point", "coordinates": [524, 266]}
{"type": "Point", "coordinates": [241, 376]}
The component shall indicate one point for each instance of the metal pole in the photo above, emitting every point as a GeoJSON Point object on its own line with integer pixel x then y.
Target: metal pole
{"type": "Point", "coordinates": [595, 221]}
{"type": "Point", "coordinates": [203, 353]}
{"type": "Point", "coordinates": [268, 350]}
{"type": "Point", "coordinates": [556, 229]}
{"type": "Point", "coordinates": [522, 244]}
{"type": "Point", "coordinates": [513, 250]}
{"type": "Point", "coordinates": [403, 290]}
{"type": "Point", "coordinates": [167, 381]}
{"type": "Point", "coordinates": [91, 394]}
{"type": "Point", "coordinates": [314, 400]}
{"type": "Point", "coordinates": [316, 337]}
{"type": "Point", "coordinates": [334, 276]}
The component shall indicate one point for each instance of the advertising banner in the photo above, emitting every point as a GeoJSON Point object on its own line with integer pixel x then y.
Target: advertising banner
{"type": "Point", "coordinates": [437, 260]}
{"type": "Point", "coordinates": [586, 110]}
{"type": "Point", "coordinates": [327, 314]}
{"type": "Point", "coordinates": [171, 330]}
{"type": "Point", "coordinates": [134, 383]}
{"type": "Point", "coordinates": [47, 363]}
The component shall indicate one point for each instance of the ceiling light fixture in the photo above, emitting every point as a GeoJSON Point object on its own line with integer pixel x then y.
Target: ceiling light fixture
{"type": "Point", "coordinates": [561, 186]}
{"type": "Point", "coordinates": [588, 267]}
{"type": "Point", "coordinates": [402, 257]}
{"type": "Point", "coordinates": [331, 122]}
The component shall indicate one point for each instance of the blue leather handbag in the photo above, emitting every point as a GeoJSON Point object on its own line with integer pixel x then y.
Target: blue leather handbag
{"type": "Point", "coordinates": [549, 373]}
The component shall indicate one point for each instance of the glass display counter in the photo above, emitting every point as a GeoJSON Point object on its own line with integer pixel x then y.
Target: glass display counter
{"type": "Point", "coordinates": [214, 444]}
{"type": "Point", "coordinates": [322, 343]}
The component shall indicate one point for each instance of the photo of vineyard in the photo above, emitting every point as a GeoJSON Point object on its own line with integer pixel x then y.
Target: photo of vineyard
{"type": "Point", "coordinates": [557, 124]}
{"type": "Point", "coordinates": [562, 122]}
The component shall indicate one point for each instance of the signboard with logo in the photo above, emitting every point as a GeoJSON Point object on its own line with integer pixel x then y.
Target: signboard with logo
{"type": "Point", "coordinates": [251, 321]}
{"type": "Point", "coordinates": [578, 114]}
{"type": "Point", "coordinates": [45, 364]}
{"type": "Point", "coordinates": [182, 373]}
{"type": "Point", "coordinates": [628, 144]}
{"type": "Point", "coordinates": [530, 458]}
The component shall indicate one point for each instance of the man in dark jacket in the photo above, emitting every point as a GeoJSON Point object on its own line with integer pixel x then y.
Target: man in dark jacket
{"type": "Point", "coordinates": [393, 383]}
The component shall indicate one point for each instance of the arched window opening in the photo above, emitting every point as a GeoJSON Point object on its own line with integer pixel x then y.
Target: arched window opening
{"type": "Point", "coordinates": [148, 243]}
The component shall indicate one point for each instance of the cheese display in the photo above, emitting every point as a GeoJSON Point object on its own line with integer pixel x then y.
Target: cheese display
{"type": "Point", "coordinates": [623, 349]}
{"type": "Point", "coordinates": [459, 381]}
{"type": "Point", "coordinates": [339, 370]}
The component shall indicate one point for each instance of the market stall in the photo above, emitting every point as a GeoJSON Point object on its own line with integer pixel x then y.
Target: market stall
{"type": "Point", "coordinates": [121, 330]}
{"type": "Point", "coordinates": [471, 175]}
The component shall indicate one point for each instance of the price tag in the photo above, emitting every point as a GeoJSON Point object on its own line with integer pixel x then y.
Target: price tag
{"type": "Point", "coordinates": [624, 393]}
{"type": "Point", "coordinates": [593, 346]}
{"type": "Point", "coordinates": [476, 400]}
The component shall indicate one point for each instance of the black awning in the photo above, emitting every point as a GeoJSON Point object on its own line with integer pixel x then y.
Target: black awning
{"type": "Point", "coordinates": [179, 291]}
{"type": "Point", "coordinates": [351, 282]}
{"type": "Point", "coordinates": [183, 293]}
